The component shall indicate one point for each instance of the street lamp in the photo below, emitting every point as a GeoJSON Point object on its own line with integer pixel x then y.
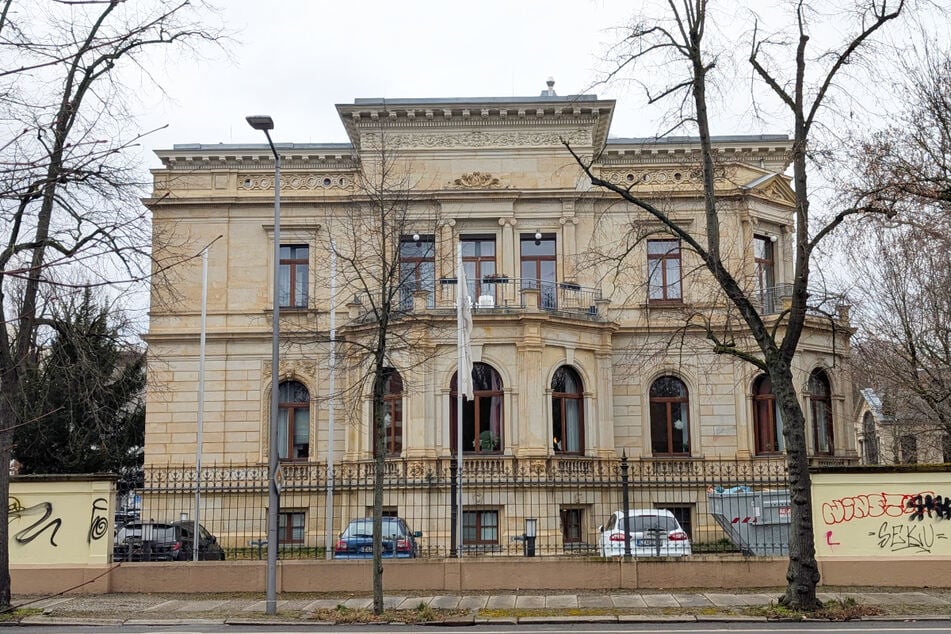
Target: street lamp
{"type": "Point", "coordinates": [265, 124]}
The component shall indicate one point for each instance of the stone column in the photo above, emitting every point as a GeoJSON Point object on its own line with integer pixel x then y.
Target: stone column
{"type": "Point", "coordinates": [603, 407]}
{"type": "Point", "coordinates": [532, 415]}
{"type": "Point", "coordinates": [446, 265]}
{"type": "Point", "coordinates": [506, 254]}
{"type": "Point", "coordinates": [569, 246]}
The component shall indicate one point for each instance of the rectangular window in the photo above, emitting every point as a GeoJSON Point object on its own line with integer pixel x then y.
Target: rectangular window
{"type": "Point", "coordinates": [683, 513]}
{"type": "Point", "coordinates": [480, 528]}
{"type": "Point", "coordinates": [572, 523]}
{"type": "Point", "coordinates": [417, 269]}
{"type": "Point", "coordinates": [821, 425]}
{"type": "Point", "coordinates": [870, 441]}
{"type": "Point", "coordinates": [538, 262]}
{"type": "Point", "coordinates": [663, 271]}
{"type": "Point", "coordinates": [478, 259]}
{"type": "Point", "coordinates": [290, 527]}
{"type": "Point", "coordinates": [909, 449]}
{"type": "Point", "coordinates": [765, 288]}
{"type": "Point", "coordinates": [292, 285]}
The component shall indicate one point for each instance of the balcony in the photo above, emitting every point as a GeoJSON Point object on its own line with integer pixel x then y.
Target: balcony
{"type": "Point", "coordinates": [498, 295]}
{"type": "Point", "coordinates": [776, 299]}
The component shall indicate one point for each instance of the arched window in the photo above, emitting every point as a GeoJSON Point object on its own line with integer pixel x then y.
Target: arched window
{"type": "Point", "coordinates": [820, 410]}
{"type": "Point", "coordinates": [482, 428]}
{"type": "Point", "coordinates": [767, 418]}
{"type": "Point", "coordinates": [293, 421]}
{"type": "Point", "coordinates": [567, 412]}
{"type": "Point", "coordinates": [392, 414]}
{"type": "Point", "coordinates": [670, 423]}
{"type": "Point", "coordinates": [870, 439]}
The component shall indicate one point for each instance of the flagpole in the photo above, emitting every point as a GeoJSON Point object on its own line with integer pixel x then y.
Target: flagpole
{"type": "Point", "coordinates": [460, 299]}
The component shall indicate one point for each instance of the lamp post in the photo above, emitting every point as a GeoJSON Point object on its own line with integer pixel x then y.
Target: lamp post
{"type": "Point", "coordinates": [265, 124]}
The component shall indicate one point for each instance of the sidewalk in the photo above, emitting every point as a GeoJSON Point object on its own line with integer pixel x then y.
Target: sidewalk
{"type": "Point", "coordinates": [502, 607]}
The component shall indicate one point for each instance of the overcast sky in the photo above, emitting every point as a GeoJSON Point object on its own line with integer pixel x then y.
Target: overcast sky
{"type": "Point", "coordinates": [295, 59]}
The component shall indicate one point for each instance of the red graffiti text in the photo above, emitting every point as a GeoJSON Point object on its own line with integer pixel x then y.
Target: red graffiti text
{"type": "Point", "coordinates": [868, 506]}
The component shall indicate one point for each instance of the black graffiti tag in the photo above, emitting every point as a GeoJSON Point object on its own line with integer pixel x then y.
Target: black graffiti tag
{"type": "Point", "coordinates": [98, 524]}
{"type": "Point", "coordinates": [27, 535]}
{"type": "Point", "coordinates": [934, 506]}
{"type": "Point", "coordinates": [901, 537]}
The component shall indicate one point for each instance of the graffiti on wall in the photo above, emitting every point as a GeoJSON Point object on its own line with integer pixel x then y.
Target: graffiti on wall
{"type": "Point", "coordinates": [25, 536]}
{"type": "Point", "coordinates": [98, 520]}
{"type": "Point", "coordinates": [60, 521]}
{"type": "Point", "coordinates": [898, 519]}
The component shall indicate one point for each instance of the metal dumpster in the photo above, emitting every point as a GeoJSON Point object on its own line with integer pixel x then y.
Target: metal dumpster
{"type": "Point", "coordinates": [757, 522]}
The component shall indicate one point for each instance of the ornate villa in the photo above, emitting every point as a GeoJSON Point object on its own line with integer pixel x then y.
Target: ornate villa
{"type": "Point", "coordinates": [584, 311]}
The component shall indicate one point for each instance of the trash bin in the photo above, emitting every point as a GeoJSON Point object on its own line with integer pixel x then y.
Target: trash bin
{"type": "Point", "coordinates": [757, 522]}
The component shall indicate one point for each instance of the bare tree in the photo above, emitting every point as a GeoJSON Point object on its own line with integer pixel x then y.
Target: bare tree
{"type": "Point", "coordinates": [904, 310]}
{"type": "Point", "coordinates": [384, 239]}
{"type": "Point", "coordinates": [68, 194]}
{"type": "Point", "coordinates": [677, 45]}
{"type": "Point", "coordinates": [904, 171]}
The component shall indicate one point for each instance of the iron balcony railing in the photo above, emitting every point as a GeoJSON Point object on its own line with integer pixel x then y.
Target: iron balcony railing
{"type": "Point", "coordinates": [504, 293]}
{"type": "Point", "coordinates": [776, 299]}
{"type": "Point", "coordinates": [494, 294]}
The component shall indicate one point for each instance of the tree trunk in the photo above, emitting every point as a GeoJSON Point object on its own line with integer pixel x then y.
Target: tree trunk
{"type": "Point", "coordinates": [379, 466]}
{"type": "Point", "coordinates": [7, 392]}
{"type": "Point", "coordinates": [802, 574]}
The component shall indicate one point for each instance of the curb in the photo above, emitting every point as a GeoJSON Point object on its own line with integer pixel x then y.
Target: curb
{"type": "Point", "coordinates": [458, 622]}
{"type": "Point", "coordinates": [58, 620]}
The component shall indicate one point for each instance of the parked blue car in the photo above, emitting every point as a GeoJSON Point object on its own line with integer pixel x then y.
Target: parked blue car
{"type": "Point", "coordinates": [356, 541]}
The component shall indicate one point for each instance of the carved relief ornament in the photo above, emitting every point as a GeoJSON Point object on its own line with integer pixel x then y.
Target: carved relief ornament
{"type": "Point", "coordinates": [310, 181]}
{"type": "Point", "coordinates": [480, 180]}
{"type": "Point", "coordinates": [672, 176]}
{"type": "Point", "coordinates": [298, 369]}
{"type": "Point", "coordinates": [474, 138]}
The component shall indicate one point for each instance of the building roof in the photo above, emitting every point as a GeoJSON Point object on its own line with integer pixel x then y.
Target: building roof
{"type": "Point", "coordinates": [437, 101]}
{"type": "Point", "coordinates": [874, 402]}
{"type": "Point", "coordinates": [690, 140]}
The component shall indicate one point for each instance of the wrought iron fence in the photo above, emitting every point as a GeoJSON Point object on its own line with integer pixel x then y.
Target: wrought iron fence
{"type": "Point", "coordinates": [723, 505]}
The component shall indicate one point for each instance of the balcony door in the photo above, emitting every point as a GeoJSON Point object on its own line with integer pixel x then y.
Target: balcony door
{"type": "Point", "coordinates": [478, 259]}
{"type": "Point", "coordinates": [538, 262]}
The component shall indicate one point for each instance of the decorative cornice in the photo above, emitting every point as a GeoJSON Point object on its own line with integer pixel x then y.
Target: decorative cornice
{"type": "Point", "coordinates": [195, 156]}
{"type": "Point", "coordinates": [501, 115]}
{"type": "Point", "coordinates": [774, 157]}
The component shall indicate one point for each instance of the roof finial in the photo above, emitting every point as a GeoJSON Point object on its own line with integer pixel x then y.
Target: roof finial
{"type": "Point", "coordinates": [551, 88]}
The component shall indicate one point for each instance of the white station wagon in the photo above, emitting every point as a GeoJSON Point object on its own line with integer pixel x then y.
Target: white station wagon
{"type": "Point", "coordinates": [654, 533]}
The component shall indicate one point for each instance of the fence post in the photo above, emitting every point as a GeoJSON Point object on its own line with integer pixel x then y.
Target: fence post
{"type": "Point", "coordinates": [626, 503]}
{"type": "Point", "coordinates": [453, 513]}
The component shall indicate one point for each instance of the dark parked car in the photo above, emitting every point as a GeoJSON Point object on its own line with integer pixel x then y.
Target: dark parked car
{"type": "Point", "coordinates": [164, 541]}
{"type": "Point", "coordinates": [356, 541]}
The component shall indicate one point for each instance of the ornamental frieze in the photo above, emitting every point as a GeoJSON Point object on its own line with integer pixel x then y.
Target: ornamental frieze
{"type": "Point", "coordinates": [651, 177]}
{"type": "Point", "coordinates": [474, 138]}
{"type": "Point", "coordinates": [295, 181]}
{"type": "Point", "coordinates": [670, 177]}
{"type": "Point", "coordinates": [481, 180]}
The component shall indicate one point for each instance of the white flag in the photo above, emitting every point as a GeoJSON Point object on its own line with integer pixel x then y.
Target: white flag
{"type": "Point", "coordinates": [464, 317]}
